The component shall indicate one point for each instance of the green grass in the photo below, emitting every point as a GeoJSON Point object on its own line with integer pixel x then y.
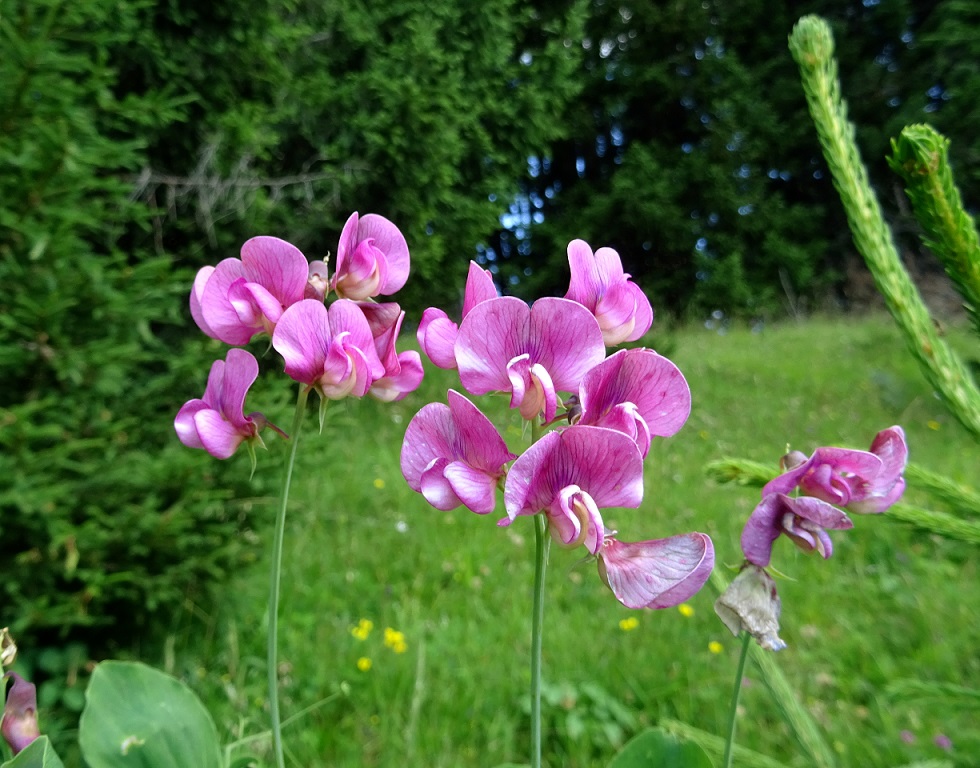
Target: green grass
{"type": "Point", "coordinates": [892, 604]}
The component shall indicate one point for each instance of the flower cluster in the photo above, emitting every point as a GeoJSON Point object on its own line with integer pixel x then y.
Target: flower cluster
{"type": "Point", "coordinates": [602, 430]}
{"type": "Point", "coordinates": [346, 349]}
{"type": "Point", "coordinates": [825, 486]}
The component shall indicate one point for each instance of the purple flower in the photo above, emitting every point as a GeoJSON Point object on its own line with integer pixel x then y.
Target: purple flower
{"type": "Point", "coordinates": [636, 392]}
{"type": "Point", "coordinates": [437, 333]}
{"type": "Point", "coordinates": [656, 574]}
{"type": "Point", "coordinates": [402, 372]}
{"type": "Point", "coordinates": [563, 476]}
{"type": "Point", "coordinates": [217, 422]}
{"type": "Point", "coordinates": [861, 481]}
{"type": "Point", "coordinates": [454, 455]}
{"type": "Point", "coordinates": [330, 350]}
{"type": "Point", "coordinates": [599, 283]}
{"type": "Point", "coordinates": [372, 258]}
{"type": "Point", "coordinates": [20, 726]}
{"type": "Point", "coordinates": [241, 298]}
{"type": "Point", "coordinates": [803, 519]}
{"type": "Point", "coordinates": [532, 352]}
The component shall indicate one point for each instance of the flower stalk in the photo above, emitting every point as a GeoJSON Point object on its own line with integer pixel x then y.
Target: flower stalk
{"type": "Point", "coordinates": [733, 713]}
{"type": "Point", "coordinates": [542, 543]}
{"type": "Point", "coordinates": [272, 642]}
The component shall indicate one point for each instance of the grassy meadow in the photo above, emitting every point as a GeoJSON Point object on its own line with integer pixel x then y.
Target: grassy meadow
{"type": "Point", "coordinates": [892, 604]}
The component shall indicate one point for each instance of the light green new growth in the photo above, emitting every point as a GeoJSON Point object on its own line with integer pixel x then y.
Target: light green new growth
{"type": "Point", "coordinates": [812, 46]}
{"type": "Point", "coordinates": [920, 157]}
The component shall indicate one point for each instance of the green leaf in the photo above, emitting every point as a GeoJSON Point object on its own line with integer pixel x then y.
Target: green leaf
{"type": "Point", "coordinates": [656, 748]}
{"type": "Point", "coordinates": [137, 716]}
{"type": "Point", "coordinates": [38, 754]}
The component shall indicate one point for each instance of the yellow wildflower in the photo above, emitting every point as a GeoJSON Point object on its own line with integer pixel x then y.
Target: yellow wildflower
{"type": "Point", "coordinates": [364, 663]}
{"type": "Point", "coordinates": [686, 610]}
{"type": "Point", "coordinates": [395, 640]}
{"type": "Point", "coordinates": [627, 624]}
{"type": "Point", "coordinates": [715, 647]}
{"type": "Point", "coordinates": [363, 629]}
{"type": "Point", "coordinates": [379, 483]}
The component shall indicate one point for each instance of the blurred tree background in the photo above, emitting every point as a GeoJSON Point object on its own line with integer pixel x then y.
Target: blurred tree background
{"type": "Point", "coordinates": [141, 140]}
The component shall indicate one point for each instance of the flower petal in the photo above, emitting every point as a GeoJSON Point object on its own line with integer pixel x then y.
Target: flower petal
{"type": "Point", "coordinates": [278, 266]}
{"type": "Point", "coordinates": [437, 337]}
{"type": "Point", "coordinates": [302, 337]}
{"type": "Point", "coordinates": [656, 574]}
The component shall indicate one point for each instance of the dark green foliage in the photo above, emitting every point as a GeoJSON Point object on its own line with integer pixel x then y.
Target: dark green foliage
{"type": "Point", "coordinates": [690, 150]}
{"type": "Point", "coordinates": [105, 520]}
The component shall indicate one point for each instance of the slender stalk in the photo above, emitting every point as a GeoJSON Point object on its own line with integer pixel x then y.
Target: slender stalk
{"type": "Point", "coordinates": [733, 714]}
{"type": "Point", "coordinates": [272, 643]}
{"type": "Point", "coordinates": [541, 546]}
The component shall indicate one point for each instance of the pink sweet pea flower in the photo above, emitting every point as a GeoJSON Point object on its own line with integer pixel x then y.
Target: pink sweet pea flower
{"type": "Point", "coordinates": [802, 518]}
{"type": "Point", "coordinates": [331, 350]}
{"type": "Point", "coordinates": [454, 455]}
{"type": "Point", "coordinates": [402, 372]}
{"type": "Point", "coordinates": [656, 574]}
{"type": "Point", "coordinates": [437, 333]}
{"type": "Point", "coordinates": [532, 352]}
{"type": "Point", "coordinates": [318, 282]}
{"type": "Point", "coordinates": [885, 488]}
{"type": "Point", "coordinates": [216, 422]}
{"type": "Point", "coordinates": [637, 392]}
{"type": "Point", "coordinates": [599, 284]}
{"type": "Point", "coordinates": [563, 476]}
{"type": "Point", "coordinates": [861, 481]}
{"type": "Point", "coordinates": [372, 258]}
{"type": "Point", "coordinates": [20, 726]}
{"type": "Point", "coordinates": [241, 298]}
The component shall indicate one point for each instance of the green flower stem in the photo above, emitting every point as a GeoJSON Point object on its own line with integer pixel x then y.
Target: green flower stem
{"type": "Point", "coordinates": [733, 714]}
{"type": "Point", "coordinates": [541, 546]}
{"type": "Point", "coordinates": [272, 643]}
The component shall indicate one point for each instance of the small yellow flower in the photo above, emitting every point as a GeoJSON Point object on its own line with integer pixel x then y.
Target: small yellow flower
{"type": "Point", "coordinates": [379, 483]}
{"type": "Point", "coordinates": [364, 663]}
{"type": "Point", "coordinates": [686, 610]}
{"type": "Point", "coordinates": [933, 425]}
{"type": "Point", "coordinates": [363, 629]}
{"type": "Point", "coordinates": [715, 647]}
{"type": "Point", "coordinates": [627, 624]}
{"type": "Point", "coordinates": [395, 640]}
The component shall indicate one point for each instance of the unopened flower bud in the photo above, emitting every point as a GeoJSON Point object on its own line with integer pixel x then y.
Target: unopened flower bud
{"type": "Point", "coordinates": [792, 460]}
{"type": "Point", "coordinates": [19, 726]}
{"type": "Point", "coordinates": [752, 604]}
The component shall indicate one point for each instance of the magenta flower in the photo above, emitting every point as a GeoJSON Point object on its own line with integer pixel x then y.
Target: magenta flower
{"type": "Point", "coordinates": [437, 333]}
{"type": "Point", "coordinates": [217, 422]}
{"type": "Point", "coordinates": [562, 476]}
{"type": "Point", "coordinates": [636, 392]}
{"type": "Point", "coordinates": [656, 574]}
{"type": "Point", "coordinates": [532, 352]}
{"type": "Point", "coordinates": [599, 283]}
{"type": "Point", "coordinates": [20, 726]}
{"type": "Point", "coordinates": [318, 282]}
{"type": "Point", "coordinates": [454, 455]}
{"type": "Point", "coordinates": [241, 298]}
{"type": "Point", "coordinates": [402, 372]}
{"type": "Point", "coordinates": [372, 258]}
{"type": "Point", "coordinates": [802, 518]}
{"type": "Point", "coordinates": [861, 481]}
{"type": "Point", "coordinates": [331, 350]}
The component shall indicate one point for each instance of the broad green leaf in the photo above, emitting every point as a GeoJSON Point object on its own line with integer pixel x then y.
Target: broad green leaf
{"type": "Point", "coordinates": [138, 717]}
{"type": "Point", "coordinates": [38, 754]}
{"type": "Point", "coordinates": [657, 749]}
